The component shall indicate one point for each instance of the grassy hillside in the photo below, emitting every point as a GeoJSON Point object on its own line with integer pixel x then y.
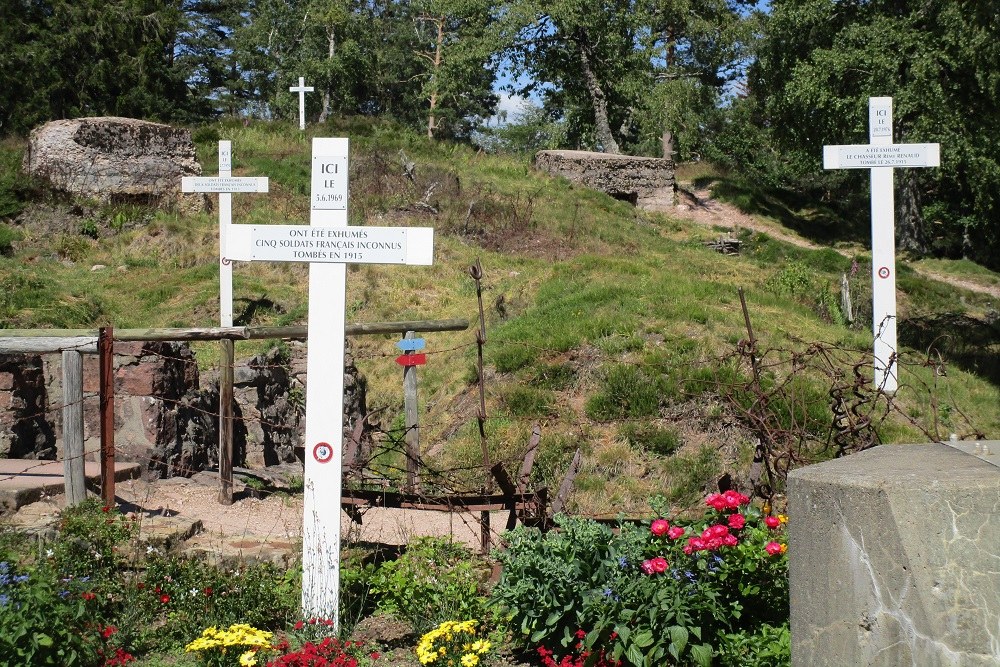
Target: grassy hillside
{"type": "Point", "coordinates": [618, 331]}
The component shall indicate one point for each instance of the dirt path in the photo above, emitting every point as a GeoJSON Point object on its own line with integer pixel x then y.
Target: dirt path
{"type": "Point", "coordinates": [697, 205]}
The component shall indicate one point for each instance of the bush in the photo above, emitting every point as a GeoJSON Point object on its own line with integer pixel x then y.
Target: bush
{"type": "Point", "coordinates": [433, 581]}
{"type": "Point", "coordinates": [627, 392]}
{"type": "Point", "coordinates": [651, 594]}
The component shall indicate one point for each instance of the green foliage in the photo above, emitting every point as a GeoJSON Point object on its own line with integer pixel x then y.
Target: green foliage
{"type": "Point", "coordinates": [766, 646]}
{"type": "Point", "coordinates": [645, 595]}
{"type": "Point", "coordinates": [8, 237]}
{"type": "Point", "coordinates": [522, 401]}
{"type": "Point", "coordinates": [627, 392]}
{"type": "Point", "coordinates": [42, 618]}
{"type": "Point", "coordinates": [651, 438]}
{"type": "Point", "coordinates": [434, 580]}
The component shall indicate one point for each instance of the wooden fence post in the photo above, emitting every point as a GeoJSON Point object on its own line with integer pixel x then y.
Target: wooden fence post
{"type": "Point", "coordinates": [106, 354]}
{"type": "Point", "coordinates": [412, 423]}
{"type": "Point", "coordinates": [227, 361]}
{"type": "Point", "coordinates": [72, 427]}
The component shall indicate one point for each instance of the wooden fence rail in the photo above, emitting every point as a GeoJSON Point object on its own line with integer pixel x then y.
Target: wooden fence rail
{"type": "Point", "coordinates": [74, 342]}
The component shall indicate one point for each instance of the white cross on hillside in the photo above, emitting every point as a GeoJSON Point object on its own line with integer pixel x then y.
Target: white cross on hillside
{"type": "Point", "coordinates": [328, 244]}
{"type": "Point", "coordinates": [881, 156]}
{"type": "Point", "coordinates": [301, 89]}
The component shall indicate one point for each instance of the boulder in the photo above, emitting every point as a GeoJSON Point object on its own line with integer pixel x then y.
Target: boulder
{"type": "Point", "coordinates": [646, 182]}
{"type": "Point", "coordinates": [115, 160]}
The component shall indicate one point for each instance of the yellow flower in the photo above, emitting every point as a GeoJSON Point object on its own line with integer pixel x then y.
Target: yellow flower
{"type": "Point", "coordinates": [470, 660]}
{"type": "Point", "coordinates": [782, 518]}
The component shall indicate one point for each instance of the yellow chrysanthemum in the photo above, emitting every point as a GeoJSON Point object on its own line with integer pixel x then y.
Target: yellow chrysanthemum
{"type": "Point", "coordinates": [470, 660]}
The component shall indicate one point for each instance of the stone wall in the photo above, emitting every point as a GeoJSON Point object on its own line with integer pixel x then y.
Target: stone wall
{"type": "Point", "coordinates": [166, 412]}
{"type": "Point", "coordinates": [644, 181]}
{"type": "Point", "coordinates": [893, 558]}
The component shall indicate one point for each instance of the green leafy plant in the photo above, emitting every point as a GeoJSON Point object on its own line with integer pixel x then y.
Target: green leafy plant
{"type": "Point", "coordinates": [653, 594]}
{"type": "Point", "coordinates": [434, 580]}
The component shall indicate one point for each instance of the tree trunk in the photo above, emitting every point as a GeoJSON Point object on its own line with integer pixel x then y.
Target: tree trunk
{"type": "Point", "coordinates": [331, 37]}
{"type": "Point", "coordinates": [667, 141]}
{"type": "Point", "coordinates": [910, 236]}
{"type": "Point", "coordinates": [438, 46]}
{"type": "Point", "coordinates": [601, 123]}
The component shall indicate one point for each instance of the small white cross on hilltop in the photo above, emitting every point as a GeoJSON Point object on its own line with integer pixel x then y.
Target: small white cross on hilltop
{"type": "Point", "coordinates": [302, 89]}
{"type": "Point", "coordinates": [881, 156]}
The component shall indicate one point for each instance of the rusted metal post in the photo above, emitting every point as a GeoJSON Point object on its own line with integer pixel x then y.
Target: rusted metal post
{"type": "Point", "coordinates": [476, 271]}
{"type": "Point", "coordinates": [227, 361]}
{"type": "Point", "coordinates": [106, 354]}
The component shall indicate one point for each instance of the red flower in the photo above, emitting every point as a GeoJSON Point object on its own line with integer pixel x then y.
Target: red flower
{"type": "Point", "coordinates": [108, 631]}
{"type": "Point", "coordinates": [88, 595]}
{"type": "Point", "coordinates": [675, 532]}
{"type": "Point", "coordinates": [299, 625]}
{"type": "Point", "coordinates": [659, 527]}
{"type": "Point", "coordinates": [660, 565]}
{"type": "Point", "coordinates": [164, 598]}
{"type": "Point", "coordinates": [106, 508]}
{"type": "Point", "coordinates": [376, 655]}
{"type": "Point", "coordinates": [716, 502]}
{"type": "Point", "coordinates": [737, 521]}
{"type": "Point", "coordinates": [734, 499]}
{"type": "Point", "coordinates": [772, 522]}
{"type": "Point", "coordinates": [207, 591]}
{"type": "Point", "coordinates": [773, 548]}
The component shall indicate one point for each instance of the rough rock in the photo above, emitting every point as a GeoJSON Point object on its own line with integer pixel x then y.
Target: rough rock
{"type": "Point", "coordinates": [24, 431]}
{"type": "Point", "coordinates": [893, 558]}
{"type": "Point", "coordinates": [115, 160]}
{"type": "Point", "coordinates": [645, 182]}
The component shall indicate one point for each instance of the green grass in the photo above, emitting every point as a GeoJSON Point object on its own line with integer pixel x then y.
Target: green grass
{"type": "Point", "coordinates": [601, 320]}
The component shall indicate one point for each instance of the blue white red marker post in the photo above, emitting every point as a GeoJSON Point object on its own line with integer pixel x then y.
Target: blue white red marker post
{"type": "Point", "coordinates": [409, 360]}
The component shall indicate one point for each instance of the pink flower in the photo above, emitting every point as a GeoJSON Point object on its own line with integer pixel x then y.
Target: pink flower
{"type": "Point", "coordinates": [773, 548]}
{"type": "Point", "coordinates": [694, 544]}
{"type": "Point", "coordinates": [737, 521]}
{"type": "Point", "coordinates": [659, 527]}
{"type": "Point", "coordinates": [716, 502]}
{"type": "Point", "coordinates": [730, 541]}
{"type": "Point", "coordinates": [715, 530]}
{"type": "Point", "coordinates": [772, 522]}
{"type": "Point", "coordinates": [675, 532]}
{"type": "Point", "coordinates": [734, 499]}
{"type": "Point", "coordinates": [647, 566]}
{"type": "Point", "coordinates": [660, 564]}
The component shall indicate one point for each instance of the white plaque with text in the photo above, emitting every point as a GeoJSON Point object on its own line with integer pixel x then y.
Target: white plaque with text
{"type": "Point", "coordinates": [329, 183]}
{"type": "Point", "coordinates": [868, 156]}
{"type": "Point", "coordinates": [355, 245]}
{"type": "Point", "coordinates": [224, 184]}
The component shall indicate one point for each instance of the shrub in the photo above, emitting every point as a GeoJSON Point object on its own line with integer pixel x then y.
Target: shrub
{"type": "Point", "coordinates": [650, 594]}
{"type": "Point", "coordinates": [433, 581]}
{"type": "Point", "coordinates": [627, 392]}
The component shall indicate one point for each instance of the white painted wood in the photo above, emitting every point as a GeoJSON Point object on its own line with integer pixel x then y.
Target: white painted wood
{"type": "Point", "coordinates": [220, 184]}
{"type": "Point", "coordinates": [302, 89]}
{"type": "Point", "coordinates": [324, 418]}
{"type": "Point", "coordinates": [72, 427]}
{"type": "Point", "coordinates": [356, 245]}
{"type": "Point", "coordinates": [866, 156]}
{"type": "Point", "coordinates": [225, 222]}
{"type": "Point", "coordinates": [881, 155]}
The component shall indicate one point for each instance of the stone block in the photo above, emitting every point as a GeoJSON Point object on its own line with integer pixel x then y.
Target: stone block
{"type": "Point", "coordinates": [646, 182]}
{"type": "Point", "coordinates": [894, 559]}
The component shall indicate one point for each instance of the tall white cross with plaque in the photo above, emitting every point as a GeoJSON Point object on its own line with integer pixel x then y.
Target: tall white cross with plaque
{"type": "Point", "coordinates": [301, 89]}
{"type": "Point", "coordinates": [225, 184]}
{"type": "Point", "coordinates": [328, 244]}
{"type": "Point", "coordinates": [881, 156]}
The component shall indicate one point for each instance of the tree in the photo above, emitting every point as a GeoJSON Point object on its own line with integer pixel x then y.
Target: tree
{"type": "Point", "coordinates": [583, 57]}
{"type": "Point", "coordinates": [65, 59]}
{"type": "Point", "coordinates": [819, 62]}
{"type": "Point", "coordinates": [695, 47]}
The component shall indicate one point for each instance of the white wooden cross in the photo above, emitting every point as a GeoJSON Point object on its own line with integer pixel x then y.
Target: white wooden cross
{"type": "Point", "coordinates": [302, 89]}
{"type": "Point", "coordinates": [328, 244]}
{"type": "Point", "coordinates": [225, 184]}
{"type": "Point", "coordinates": [881, 156]}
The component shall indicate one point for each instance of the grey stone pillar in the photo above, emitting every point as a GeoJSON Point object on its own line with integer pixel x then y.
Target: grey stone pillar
{"type": "Point", "coordinates": [895, 558]}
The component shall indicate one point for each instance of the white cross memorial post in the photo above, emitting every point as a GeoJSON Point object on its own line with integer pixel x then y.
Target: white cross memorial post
{"type": "Point", "coordinates": [302, 89]}
{"type": "Point", "coordinates": [328, 244]}
{"type": "Point", "coordinates": [881, 156]}
{"type": "Point", "coordinates": [225, 184]}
